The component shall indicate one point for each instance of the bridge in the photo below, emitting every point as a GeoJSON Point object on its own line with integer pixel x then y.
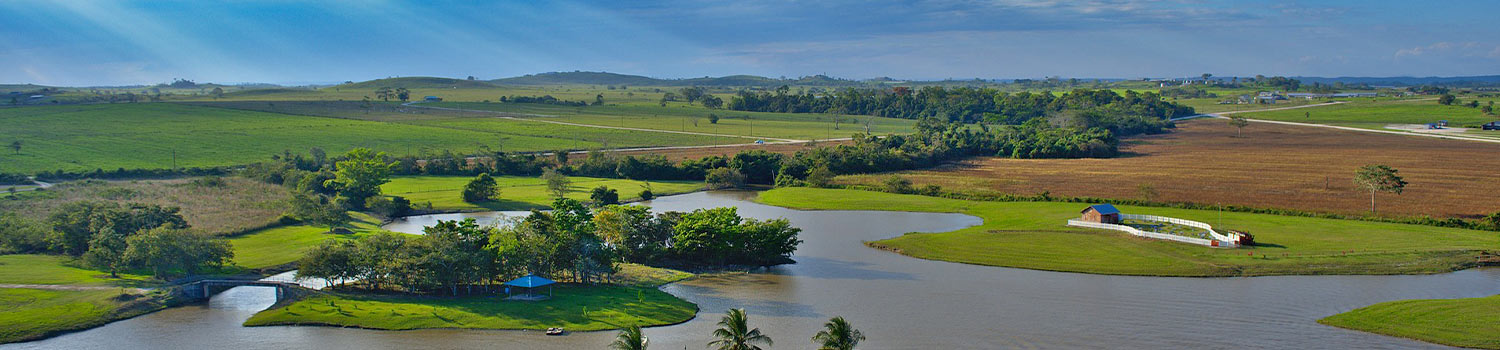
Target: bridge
{"type": "Point", "coordinates": [205, 288]}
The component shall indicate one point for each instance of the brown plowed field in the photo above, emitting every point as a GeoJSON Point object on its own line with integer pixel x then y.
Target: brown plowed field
{"type": "Point", "coordinates": [1273, 166]}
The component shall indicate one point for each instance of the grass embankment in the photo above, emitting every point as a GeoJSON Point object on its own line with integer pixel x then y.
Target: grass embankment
{"type": "Point", "coordinates": [278, 246]}
{"type": "Point", "coordinates": [1472, 322]}
{"type": "Point", "coordinates": [517, 192]}
{"type": "Point", "coordinates": [1377, 114]}
{"type": "Point", "coordinates": [1272, 166]}
{"type": "Point", "coordinates": [59, 270]}
{"type": "Point", "coordinates": [1034, 235]}
{"type": "Point", "coordinates": [633, 299]}
{"type": "Point", "coordinates": [28, 314]}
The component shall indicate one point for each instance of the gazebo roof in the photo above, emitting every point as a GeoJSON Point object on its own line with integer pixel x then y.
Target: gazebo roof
{"type": "Point", "coordinates": [530, 281]}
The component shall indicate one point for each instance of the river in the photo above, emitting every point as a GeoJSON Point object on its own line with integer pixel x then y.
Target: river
{"type": "Point", "coordinates": [899, 302]}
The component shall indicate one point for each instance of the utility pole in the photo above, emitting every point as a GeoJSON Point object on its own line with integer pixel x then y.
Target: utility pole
{"type": "Point", "coordinates": [174, 159]}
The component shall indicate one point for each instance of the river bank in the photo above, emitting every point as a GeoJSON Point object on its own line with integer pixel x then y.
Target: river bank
{"type": "Point", "coordinates": [1469, 322]}
{"type": "Point", "coordinates": [1032, 235]}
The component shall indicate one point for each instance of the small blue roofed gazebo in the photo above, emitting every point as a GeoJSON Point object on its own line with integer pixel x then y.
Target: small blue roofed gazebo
{"type": "Point", "coordinates": [530, 283]}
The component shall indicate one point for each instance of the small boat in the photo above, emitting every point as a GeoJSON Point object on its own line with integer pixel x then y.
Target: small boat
{"type": "Point", "coordinates": [555, 331]}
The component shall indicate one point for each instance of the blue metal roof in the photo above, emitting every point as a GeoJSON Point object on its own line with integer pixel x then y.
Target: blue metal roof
{"type": "Point", "coordinates": [1104, 209]}
{"type": "Point", "coordinates": [530, 281]}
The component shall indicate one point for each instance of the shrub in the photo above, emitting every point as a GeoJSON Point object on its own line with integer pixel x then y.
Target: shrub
{"type": "Point", "coordinates": [720, 178]}
{"type": "Point", "coordinates": [388, 206]}
{"type": "Point", "coordinates": [898, 184]}
{"type": "Point", "coordinates": [820, 177]}
{"type": "Point", "coordinates": [19, 235]}
{"type": "Point", "coordinates": [603, 195]}
{"type": "Point", "coordinates": [481, 189]}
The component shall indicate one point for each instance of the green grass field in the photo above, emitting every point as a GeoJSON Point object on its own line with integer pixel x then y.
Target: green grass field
{"type": "Point", "coordinates": [1034, 235]}
{"type": "Point", "coordinates": [59, 270]}
{"type": "Point", "coordinates": [517, 192]}
{"type": "Point", "coordinates": [1378, 114]}
{"type": "Point", "coordinates": [154, 135]}
{"type": "Point", "coordinates": [679, 116]}
{"type": "Point", "coordinates": [1471, 323]}
{"type": "Point", "coordinates": [577, 308]}
{"type": "Point", "coordinates": [27, 314]}
{"type": "Point", "coordinates": [283, 245]}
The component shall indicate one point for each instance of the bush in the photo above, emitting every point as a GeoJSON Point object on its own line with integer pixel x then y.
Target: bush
{"type": "Point", "coordinates": [602, 196]}
{"type": "Point", "coordinates": [481, 189]}
{"type": "Point", "coordinates": [19, 236]}
{"type": "Point", "coordinates": [897, 184]}
{"type": "Point", "coordinates": [721, 178]}
{"type": "Point", "coordinates": [646, 195]}
{"type": "Point", "coordinates": [820, 177]}
{"type": "Point", "coordinates": [388, 206]}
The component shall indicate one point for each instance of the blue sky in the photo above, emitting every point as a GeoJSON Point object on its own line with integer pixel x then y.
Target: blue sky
{"type": "Point", "coordinates": [81, 42]}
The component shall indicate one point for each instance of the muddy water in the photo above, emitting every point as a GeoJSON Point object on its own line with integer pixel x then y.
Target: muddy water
{"type": "Point", "coordinates": [899, 302]}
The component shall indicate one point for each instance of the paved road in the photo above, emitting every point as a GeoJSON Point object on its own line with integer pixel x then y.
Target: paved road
{"type": "Point", "coordinates": [1224, 115]}
{"type": "Point", "coordinates": [503, 115]}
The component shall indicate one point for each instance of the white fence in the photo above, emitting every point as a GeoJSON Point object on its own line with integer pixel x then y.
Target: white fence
{"type": "Point", "coordinates": [1219, 241]}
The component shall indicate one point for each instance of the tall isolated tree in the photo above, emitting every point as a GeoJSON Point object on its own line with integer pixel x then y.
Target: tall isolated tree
{"type": "Point", "coordinates": [218, 92]}
{"type": "Point", "coordinates": [1447, 99]}
{"type": "Point", "coordinates": [403, 94]}
{"type": "Point", "coordinates": [16, 146]}
{"type": "Point", "coordinates": [1378, 178]}
{"type": "Point", "coordinates": [384, 94]}
{"type": "Point", "coordinates": [629, 338]}
{"type": "Point", "coordinates": [482, 188]}
{"type": "Point", "coordinates": [1239, 124]}
{"type": "Point", "coordinates": [734, 333]}
{"type": "Point", "coordinates": [557, 183]}
{"type": "Point", "coordinates": [837, 334]}
{"type": "Point", "coordinates": [360, 175]}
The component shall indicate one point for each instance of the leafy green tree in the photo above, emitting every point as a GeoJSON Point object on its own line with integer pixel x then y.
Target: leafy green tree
{"type": "Point", "coordinates": [837, 334]}
{"type": "Point", "coordinates": [403, 94]}
{"type": "Point", "coordinates": [332, 261]}
{"type": "Point", "coordinates": [897, 184]}
{"type": "Point", "coordinates": [705, 234]}
{"type": "Point", "coordinates": [18, 235]}
{"type": "Point", "coordinates": [557, 183]}
{"type": "Point", "coordinates": [758, 166]}
{"type": "Point", "coordinates": [384, 94]}
{"type": "Point", "coordinates": [734, 333]}
{"type": "Point", "coordinates": [1239, 123]}
{"type": "Point", "coordinates": [318, 210]}
{"type": "Point", "coordinates": [1378, 178]}
{"type": "Point", "coordinates": [481, 189]}
{"type": "Point", "coordinates": [629, 338]}
{"type": "Point", "coordinates": [712, 102]}
{"type": "Point", "coordinates": [820, 177]}
{"type": "Point", "coordinates": [603, 195]}
{"type": "Point", "coordinates": [218, 92]}
{"type": "Point", "coordinates": [713, 118]}
{"type": "Point", "coordinates": [107, 251]}
{"type": "Point", "coordinates": [1447, 99]}
{"type": "Point", "coordinates": [75, 224]}
{"type": "Point", "coordinates": [360, 174]}
{"type": "Point", "coordinates": [16, 146]}
{"type": "Point", "coordinates": [166, 251]}
{"type": "Point", "coordinates": [721, 178]}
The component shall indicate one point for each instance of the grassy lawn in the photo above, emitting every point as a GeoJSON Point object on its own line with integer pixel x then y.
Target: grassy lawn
{"type": "Point", "coordinates": [1033, 235]}
{"type": "Point", "coordinates": [27, 314]}
{"type": "Point", "coordinates": [517, 192]}
{"type": "Point", "coordinates": [59, 270]}
{"type": "Point", "coordinates": [577, 308]}
{"type": "Point", "coordinates": [1376, 115]}
{"type": "Point", "coordinates": [282, 245]}
{"type": "Point", "coordinates": [1473, 323]}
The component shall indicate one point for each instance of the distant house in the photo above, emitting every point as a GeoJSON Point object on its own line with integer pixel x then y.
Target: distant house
{"type": "Point", "coordinates": [1101, 213]}
{"type": "Point", "coordinates": [432, 99]}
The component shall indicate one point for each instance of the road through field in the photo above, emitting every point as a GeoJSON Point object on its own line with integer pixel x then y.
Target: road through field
{"type": "Point", "coordinates": [1225, 115]}
{"type": "Point", "coordinates": [503, 115]}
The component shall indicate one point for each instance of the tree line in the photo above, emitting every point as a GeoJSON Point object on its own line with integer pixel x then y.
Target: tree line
{"type": "Point", "coordinates": [573, 242]}
{"type": "Point", "coordinates": [117, 238]}
{"type": "Point", "coordinates": [962, 104]}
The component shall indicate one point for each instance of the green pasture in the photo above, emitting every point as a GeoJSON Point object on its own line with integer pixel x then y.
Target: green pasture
{"type": "Point", "coordinates": [1034, 235]}
{"type": "Point", "coordinates": [1470, 323]}
{"type": "Point", "coordinates": [445, 193]}
{"type": "Point", "coordinates": [1378, 114]}
{"type": "Point", "coordinates": [27, 314]}
{"type": "Point", "coordinates": [277, 246]}
{"type": "Point", "coordinates": [60, 270]}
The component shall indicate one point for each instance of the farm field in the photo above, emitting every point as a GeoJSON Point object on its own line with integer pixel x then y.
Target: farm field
{"type": "Point", "coordinates": [445, 193]}
{"type": "Point", "coordinates": [1271, 166]}
{"type": "Point", "coordinates": [1377, 115]}
{"type": "Point", "coordinates": [132, 136]}
{"type": "Point", "coordinates": [1470, 323]}
{"type": "Point", "coordinates": [679, 116]}
{"type": "Point", "coordinates": [1033, 235]}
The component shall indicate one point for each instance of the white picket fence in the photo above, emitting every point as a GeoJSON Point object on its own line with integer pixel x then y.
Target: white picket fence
{"type": "Point", "coordinates": [1218, 241]}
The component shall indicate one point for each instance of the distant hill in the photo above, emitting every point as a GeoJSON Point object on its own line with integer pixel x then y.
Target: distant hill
{"type": "Point", "coordinates": [417, 83]}
{"type": "Point", "coordinates": [1407, 81]}
{"type": "Point", "coordinates": [606, 78]}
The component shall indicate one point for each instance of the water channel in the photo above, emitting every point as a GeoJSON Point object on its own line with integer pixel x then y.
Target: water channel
{"type": "Point", "coordinates": [899, 302]}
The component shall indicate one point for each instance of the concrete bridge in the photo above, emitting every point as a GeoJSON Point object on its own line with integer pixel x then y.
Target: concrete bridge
{"type": "Point", "coordinates": [207, 288]}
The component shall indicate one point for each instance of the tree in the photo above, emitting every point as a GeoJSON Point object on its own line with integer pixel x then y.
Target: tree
{"type": "Point", "coordinates": [218, 92]}
{"type": "Point", "coordinates": [166, 251]}
{"type": "Point", "coordinates": [1378, 178]}
{"type": "Point", "coordinates": [482, 188]}
{"type": "Point", "coordinates": [820, 177]}
{"type": "Point", "coordinates": [713, 118]}
{"type": "Point", "coordinates": [16, 146]}
{"type": "Point", "coordinates": [734, 333]}
{"type": "Point", "coordinates": [1239, 123]}
{"type": "Point", "coordinates": [712, 102]}
{"type": "Point", "coordinates": [721, 178]}
{"type": "Point", "coordinates": [557, 183]}
{"type": "Point", "coordinates": [384, 94]}
{"type": "Point", "coordinates": [603, 195]}
{"type": "Point", "coordinates": [403, 94]}
{"type": "Point", "coordinates": [360, 175]}
{"type": "Point", "coordinates": [318, 210]}
{"type": "Point", "coordinates": [107, 251]}
{"type": "Point", "coordinates": [1447, 99]}
{"type": "Point", "coordinates": [837, 334]}
{"type": "Point", "coordinates": [629, 338]}
{"type": "Point", "coordinates": [897, 184]}
{"type": "Point", "coordinates": [599, 100]}
{"type": "Point", "coordinates": [1487, 110]}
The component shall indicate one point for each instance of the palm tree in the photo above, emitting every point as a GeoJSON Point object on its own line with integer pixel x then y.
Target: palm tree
{"type": "Point", "coordinates": [837, 334]}
{"type": "Point", "coordinates": [629, 339]}
{"type": "Point", "coordinates": [734, 333]}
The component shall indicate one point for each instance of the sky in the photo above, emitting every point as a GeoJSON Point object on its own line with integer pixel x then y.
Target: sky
{"type": "Point", "coordinates": [102, 43]}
